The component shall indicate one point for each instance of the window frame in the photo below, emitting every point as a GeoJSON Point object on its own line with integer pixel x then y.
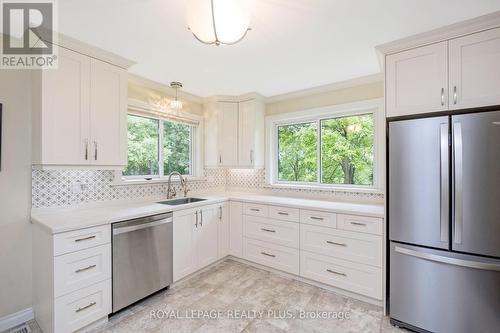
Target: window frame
{"type": "Point", "coordinates": [374, 107]}
{"type": "Point", "coordinates": [145, 110]}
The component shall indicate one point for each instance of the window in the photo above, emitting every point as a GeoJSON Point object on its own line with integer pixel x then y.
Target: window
{"type": "Point", "coordinates": [328, 148]}
{"type": "Point", "coordinates": [146, 136]}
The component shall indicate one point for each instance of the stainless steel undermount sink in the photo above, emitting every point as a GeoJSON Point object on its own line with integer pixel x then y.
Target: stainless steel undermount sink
{"type": "Point", "coordinates": [180, 201]}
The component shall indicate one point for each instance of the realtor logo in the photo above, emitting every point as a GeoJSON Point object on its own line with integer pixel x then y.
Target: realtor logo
{"type": "Point", "coordinates": [28, 34]}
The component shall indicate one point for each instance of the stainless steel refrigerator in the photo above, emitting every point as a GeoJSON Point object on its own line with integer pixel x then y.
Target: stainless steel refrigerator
{"type": "Point", "coordinates": [444, 223]}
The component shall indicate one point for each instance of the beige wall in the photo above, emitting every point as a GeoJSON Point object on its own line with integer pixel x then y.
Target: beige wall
{"type": "Point", "coordinates": [15, 192]}
{"type": "Point", "coordinates": [339, 96]}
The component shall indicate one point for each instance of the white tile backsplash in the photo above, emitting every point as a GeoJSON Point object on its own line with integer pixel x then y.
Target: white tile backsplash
{"type": "Point", "coordinates": [60, 187]}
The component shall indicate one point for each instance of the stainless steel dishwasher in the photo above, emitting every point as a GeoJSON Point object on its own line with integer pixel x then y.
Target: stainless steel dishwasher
{"type": "Point", "coordinates": [142, 258]}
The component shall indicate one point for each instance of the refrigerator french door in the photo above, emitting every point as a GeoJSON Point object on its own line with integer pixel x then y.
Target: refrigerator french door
{"type": "Point", "coordinates": [444, 223]}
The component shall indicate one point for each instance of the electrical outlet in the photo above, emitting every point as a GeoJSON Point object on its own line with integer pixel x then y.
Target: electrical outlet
{"type": "Point", "coordinates": [77, 187]}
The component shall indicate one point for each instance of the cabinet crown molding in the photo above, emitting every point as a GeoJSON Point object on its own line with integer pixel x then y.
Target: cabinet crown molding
{"type": "Point", "coordinates": [92, 51]}
{"type": "Point", "coordinates": [467, 27]}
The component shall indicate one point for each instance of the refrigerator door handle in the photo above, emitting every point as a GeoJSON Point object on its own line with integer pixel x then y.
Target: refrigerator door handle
{"type": "Point", "coordinates": [458, 168]}
{"type": "Point", "coordinates": [445, 181]}
{"type": "Point", "coordinates": [448, 260]}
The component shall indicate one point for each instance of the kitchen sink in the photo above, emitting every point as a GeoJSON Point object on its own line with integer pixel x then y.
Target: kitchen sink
{"type": "Point", "coordinates": [180, 201]}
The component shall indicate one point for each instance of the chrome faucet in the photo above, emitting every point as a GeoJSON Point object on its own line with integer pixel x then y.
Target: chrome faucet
{"type": "Point", "coordinates": [171, 192]}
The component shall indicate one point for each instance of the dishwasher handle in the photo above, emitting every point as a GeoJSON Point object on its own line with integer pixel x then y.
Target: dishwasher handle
{"type": "Point", "coordinates": [120, 230]}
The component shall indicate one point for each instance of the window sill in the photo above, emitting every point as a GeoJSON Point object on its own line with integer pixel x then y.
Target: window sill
{"type": "Point", "coordinates": [163, 180]}
{"type": "Point", "coordinates": [325, 188]}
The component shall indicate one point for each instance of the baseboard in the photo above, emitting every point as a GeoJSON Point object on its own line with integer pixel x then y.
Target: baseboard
{"type": "Point", "coordinates": [16, 319]}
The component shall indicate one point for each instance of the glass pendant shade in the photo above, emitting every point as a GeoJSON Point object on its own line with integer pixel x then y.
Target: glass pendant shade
{"type": "Point", "coordinates": [219, 21]}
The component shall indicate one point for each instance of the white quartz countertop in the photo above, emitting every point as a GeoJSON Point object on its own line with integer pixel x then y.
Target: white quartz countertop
{"type": "Point", "coordinates": [62, 219]}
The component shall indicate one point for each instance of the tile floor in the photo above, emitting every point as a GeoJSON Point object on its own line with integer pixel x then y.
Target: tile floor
{"type": "Point", "coordinates": [231, 286]}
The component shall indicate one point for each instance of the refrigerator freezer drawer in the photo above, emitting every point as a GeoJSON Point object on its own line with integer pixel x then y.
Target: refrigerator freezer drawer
{"type": "Point", "coordinates": [444, 292]}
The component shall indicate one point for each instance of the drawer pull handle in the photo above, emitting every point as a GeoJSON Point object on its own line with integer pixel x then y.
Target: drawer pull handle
{"type": "Point", "coordinates": [267, 254]}
{"type": "Point", "coordinates": [317, 218]}
{"type": "Point", "coordinates": [84, 239]}
{"type": "Point", "coordinates": [255, 209]}
{"type": "Point", "coordinates": [85, 269]}
{"type": "Point", "coordinates": [359, 223]}
{"type": "Point", "coordinates": [337, 273]}
{"type": "Point", "coordinates": [268, 230]}
{"type": "Point", "coordinates": [283, 213]}
{"type": "Point", "coordinates": [334, 243]}
{"type": "Point", "coordinates": [85, 307]}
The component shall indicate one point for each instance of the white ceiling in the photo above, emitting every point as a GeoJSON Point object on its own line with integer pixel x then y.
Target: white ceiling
{"type": "Point", "coordinates": [293, 45]}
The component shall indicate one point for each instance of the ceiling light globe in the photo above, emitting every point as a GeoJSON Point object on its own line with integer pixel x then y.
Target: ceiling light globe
{"type": "Point", "coordinates": [219, 21]}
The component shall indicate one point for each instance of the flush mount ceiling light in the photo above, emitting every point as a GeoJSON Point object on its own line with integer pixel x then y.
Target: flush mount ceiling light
{"type": "Point", "coordinates": [176, 104]}
{"type": "Point", "coordinates": [219, 21]}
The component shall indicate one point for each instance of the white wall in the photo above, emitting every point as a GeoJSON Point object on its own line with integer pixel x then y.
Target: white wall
{"type": "Point", "coordinates": [15, 191]}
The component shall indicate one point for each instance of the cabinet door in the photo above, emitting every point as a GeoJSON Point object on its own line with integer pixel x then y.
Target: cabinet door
{"type": "Point", "coordinates": [108, 118]}
{"type": "Point", "coordinates": [417, 80]}
{"type": "Point", "coordinates": [65, 111]}
{"type": "Point", "coordinates": [246, 143]}
{"type": "Point", "coordinates": [228, 133]}
{"type": "Point", "coordinates": [475, 70]}
{"type": "Point", "coordinates": [223, 219]}
{"type": "Point", "coordinates": [236, 229]}
{"type": "Point", "coordinates": [184, 247]}
{"type": "Point", "coordinates": [207, 245]}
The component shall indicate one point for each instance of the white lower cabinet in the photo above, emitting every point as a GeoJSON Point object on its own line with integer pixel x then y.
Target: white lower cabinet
{"type": "Point", "coordinates": [358, 278]}
{"type": "Point", "coordinates": [195, 239]}
{"type": "Point", "coordinates": [343, 251]}
{"type": "Point", "coordinates": [83, 307]}
{"type": "Point", "coordinates": [223, 220]}
{"type": "Point", "coordinates": [276, 256]}
{"type": "Point", "coordinates": [72, 278]}
{"type": "Point", "coordinates": [236, 229]}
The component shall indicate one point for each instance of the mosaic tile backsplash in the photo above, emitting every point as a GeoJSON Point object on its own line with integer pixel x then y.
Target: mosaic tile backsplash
{"type": "Point", "coordinates": [52, 188]}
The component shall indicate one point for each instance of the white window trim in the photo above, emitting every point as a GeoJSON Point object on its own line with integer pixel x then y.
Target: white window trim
{"type": "Point", "coordinates": [374, 106]}
{"type": "Point", "coordinates": [196, 152]}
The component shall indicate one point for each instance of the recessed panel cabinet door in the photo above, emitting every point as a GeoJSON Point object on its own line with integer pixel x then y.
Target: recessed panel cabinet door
{"type": "Point", "coordinates": [108, 114]}
{"type": "Point", "coordinates": [246, 144]}
{"type": "Point", "coordinates": [228, 134]}
{"type": "Point", "coordinates": [223, 220]}
{"type": "Point", "coordinates": [475, 70]}
{"type": "Point", "coordinates": [65, 106]}
{"type": "Point", "coordinates": [184, 247]}
{"type": "Point", "coordinates": [417, 80]}
{"type": "Point", "coordinates": [207, 236]}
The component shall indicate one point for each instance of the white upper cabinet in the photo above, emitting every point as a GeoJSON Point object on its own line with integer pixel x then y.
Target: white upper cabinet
{"type": "Point", "coordinates": [62, 104]}
{"type": "Point", "coordinates": [80, 111]}
{"type": "Point", "coordinates": [251, 134]}
{"type": "Point", "coordinates": [227, 127]}
{"type": "Point", "coordinates": [417, 80]}
{"type": "Point", "coordinates": [108, 117]}
{"type": "Point", "coordinates": [475, 70]}
{"type": "Point", "coordinates": [234, 133]}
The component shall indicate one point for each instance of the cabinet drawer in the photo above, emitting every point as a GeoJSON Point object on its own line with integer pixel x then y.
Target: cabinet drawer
{"type": "Point", "coordinates": [274, 256]}
{"type": "Point", "coordinates": [273, 231]}
{"type": "Point", "coordinates": [358, 278]}
{"type": "Point", "coordinates": [284, 213]}
{"type": "Point", "coordinates": [256, 209]}
{"type": "Point", "coordinates": [353, 246]}
{"type": "Point", "coordinates": [314, 217]}
{"type": "Point", "coordinates": [81, 239]}
{"type": "Point", "coordinates": [82, 307]}
{"type": "Point", "coordinates": [370, 225]}
{"type": "Point", "coordinates": [80, 269]}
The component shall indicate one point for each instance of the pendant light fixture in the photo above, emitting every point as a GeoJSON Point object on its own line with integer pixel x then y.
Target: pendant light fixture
{"type": "Point", "coordinates": [216, 22]}
{"type": "Point", "coordinates": [176, 104]}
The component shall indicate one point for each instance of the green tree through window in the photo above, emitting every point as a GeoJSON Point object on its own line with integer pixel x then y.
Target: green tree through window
{"type": "Point", "coordinates": [346, 150]}
{"type": "Point", "coordinates": [144, 155]}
